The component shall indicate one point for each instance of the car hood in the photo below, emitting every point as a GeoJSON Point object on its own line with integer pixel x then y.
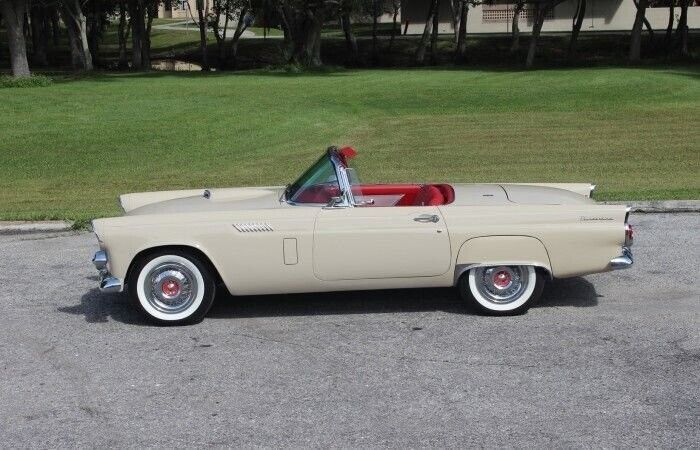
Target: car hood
{"type": "Point", "coordinates": [206, 200]}
{"type": "Point", "coordinates": [499, 194]}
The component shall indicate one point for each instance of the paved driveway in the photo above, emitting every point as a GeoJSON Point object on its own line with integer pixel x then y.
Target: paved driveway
{"type": "Point", "coordinates": [607, 360]}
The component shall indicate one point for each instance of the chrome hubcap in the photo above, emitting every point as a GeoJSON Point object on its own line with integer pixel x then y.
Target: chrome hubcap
{"type": "Point", "coordinates": [502, 284]}
{"type": "Point", "coordinates": [170, 288]}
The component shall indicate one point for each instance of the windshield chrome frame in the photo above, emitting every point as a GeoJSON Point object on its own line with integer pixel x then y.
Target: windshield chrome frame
{"type": "Point", "coordinates": [343, 183]}
{"type": "Point", "coordinates": [343, 180]}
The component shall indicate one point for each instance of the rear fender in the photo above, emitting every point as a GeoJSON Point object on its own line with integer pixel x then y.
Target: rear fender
{"type": "Point", "coordinates": [585, 189]}
{"type": "Point", "coordinates": [502, 250]}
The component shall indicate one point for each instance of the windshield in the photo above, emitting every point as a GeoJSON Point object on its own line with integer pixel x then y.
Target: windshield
{"type": "Point", "coordinates": [317, 185]}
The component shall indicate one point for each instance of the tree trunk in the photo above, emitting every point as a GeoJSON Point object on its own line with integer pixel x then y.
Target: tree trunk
{"type": "Point", "coordinates": [76, 24]}
{"type": "Point", "coordinates": [576, 29]}
{"type": "Point", "coordinates": [202, 35]}
{"type": "Point", "coordinates": [394, 23]}
{"type": "Point", "coordinates": [683, 28]}
{"type": "Point", "coordinates": [55, 27]}
{"type": "Point", "coordinates": [122, 32]}
{"type": "Point", "coordinates": [455, 14]}
{"type": "Point", "coordinates": [307, 38]}
{"type": "Point", "coordinates": [40, 35]}
{"type": "Point", "coordinates": [75, 57]}
{"type": "Point", "coordinates": [27, 28]}
{"type": "Point", "coordinates": [151, 13]}
{"type": "Point", "coordinates": [220, 35]}
{"type": "Point", "coordinates": [316, 54]}
{"type": "Point", "coordinates": [136, 15]}
{"type": "Point", "coordinates": [423, 44]}
{"type": "Point", "coordinates": [515, 26]}
{"type": "Point", "coordinates": [636, 38]}
{"type": "Point", "coordinates": [434, 35]}
{"type": "Point", "coordinates": [350, 39]}
{"type": "Point", "coordinates": [232, 52]}
{"type": "Point", "coordinates": [461, 53]}
{"type": "Point", "coordinates": [647, 25]}
{"type": "Point", "coordinates": [375, 18]}
{"type": "Point", "coordinates": [540, 13]}
{"type": "Point", "coordinates": [94, 30]}
{"type": "Point", "coordinates": [285, 16]}
{"type": "Point", "coordinates": [669, 28]}
{"type": "Point", "coordinates": [13, 12]}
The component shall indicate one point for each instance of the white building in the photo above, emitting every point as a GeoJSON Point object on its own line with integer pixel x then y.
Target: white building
{"type": "Point", "coordinates": [601, 15]}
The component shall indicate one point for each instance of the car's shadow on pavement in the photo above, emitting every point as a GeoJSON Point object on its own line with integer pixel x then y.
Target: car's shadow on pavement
{"type": "Point", "coordinates": [566, 292]}
{"type": "Point", "coordinates": [98, 307]}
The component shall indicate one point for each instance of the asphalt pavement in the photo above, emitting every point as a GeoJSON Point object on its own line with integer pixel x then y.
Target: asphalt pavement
{"type": "Point", "coordinates": [607, 360]}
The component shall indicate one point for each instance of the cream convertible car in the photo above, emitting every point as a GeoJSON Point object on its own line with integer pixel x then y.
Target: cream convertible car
{"type": "Point", "coordinates": [497, 243]}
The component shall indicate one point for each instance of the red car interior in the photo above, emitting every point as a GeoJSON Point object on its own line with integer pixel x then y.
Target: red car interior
{"type": "Point", "coordinates": [412, 194]}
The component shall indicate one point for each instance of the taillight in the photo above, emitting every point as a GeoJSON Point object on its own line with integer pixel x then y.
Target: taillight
{"type": "Point", "coordinates": [629, 235]}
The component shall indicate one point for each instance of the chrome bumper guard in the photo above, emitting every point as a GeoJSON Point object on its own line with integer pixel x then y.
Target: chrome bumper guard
{"type": "Point", "coordinates": [108, 283]}
{"type": "Point", "coordinates": [624, 261]}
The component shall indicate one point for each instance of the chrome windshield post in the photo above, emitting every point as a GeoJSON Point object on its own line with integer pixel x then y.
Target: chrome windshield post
{"type": "Point", "coordinates": [342, 175]}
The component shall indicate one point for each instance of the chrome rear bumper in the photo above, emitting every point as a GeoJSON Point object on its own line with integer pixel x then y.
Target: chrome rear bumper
{"type": "Point", "coordinates": [108, 283]}
{"type": "Point", "coordinates": [624, 261]}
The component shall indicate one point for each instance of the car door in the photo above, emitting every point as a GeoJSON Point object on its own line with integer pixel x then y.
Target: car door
{"type": "Point", "coordinates": [354, 243]}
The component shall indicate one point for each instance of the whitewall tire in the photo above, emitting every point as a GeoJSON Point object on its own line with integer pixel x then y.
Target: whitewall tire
{"type": "Point", "coordinates": [172, 287]}
{"type": "Point", "coordinates": [501, 290]}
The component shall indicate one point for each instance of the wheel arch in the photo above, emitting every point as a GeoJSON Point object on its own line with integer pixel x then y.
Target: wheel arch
{"type": "Point", "coordinates": [196, 252]}
{"type": "Point", "coordinates": [508, 250]}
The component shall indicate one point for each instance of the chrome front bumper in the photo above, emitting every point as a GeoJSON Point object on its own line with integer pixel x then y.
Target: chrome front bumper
{"type": "Point", "coordinates": [108, 283]}
{"type": "Point", "coordinates": [624, 261]}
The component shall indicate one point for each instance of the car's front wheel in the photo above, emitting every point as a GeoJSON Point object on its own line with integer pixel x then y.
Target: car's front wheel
{"type": "Point", "coordinates": [172, 287]}
{"type": "Point", "coordinates": [501, 290]}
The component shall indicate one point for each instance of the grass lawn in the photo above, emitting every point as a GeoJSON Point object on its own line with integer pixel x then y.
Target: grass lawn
{"type": "Point", "coordinates": [69, 149]}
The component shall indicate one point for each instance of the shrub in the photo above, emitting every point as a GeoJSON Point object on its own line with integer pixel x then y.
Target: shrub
{"type": "Point", "coordinates": [25, 82]}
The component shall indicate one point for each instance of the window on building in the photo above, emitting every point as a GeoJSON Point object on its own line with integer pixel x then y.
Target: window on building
{"type": "Point", "coordinates": [503, 10]}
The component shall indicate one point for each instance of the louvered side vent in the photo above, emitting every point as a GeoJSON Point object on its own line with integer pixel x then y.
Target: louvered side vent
{"type": "Point", "coordinates": [252, 227]}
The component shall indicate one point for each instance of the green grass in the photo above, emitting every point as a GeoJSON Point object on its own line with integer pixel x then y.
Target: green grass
{"type": "Point", "coordinates": [70, 148]}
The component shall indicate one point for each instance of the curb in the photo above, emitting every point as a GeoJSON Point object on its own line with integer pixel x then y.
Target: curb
{"type": "Point", "coordinates": [27, 227]}
{"type": "Point", "coordinates": [656, 206]}
{"type": "Point", "coordinates": [661, 206]}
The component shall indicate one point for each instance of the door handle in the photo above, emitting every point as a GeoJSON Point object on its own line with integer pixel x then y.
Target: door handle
{"type": "Point", "coordinates": [428, 218]}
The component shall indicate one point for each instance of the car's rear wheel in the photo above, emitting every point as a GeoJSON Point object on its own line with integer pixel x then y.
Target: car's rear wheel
{"type": "Point", "coordinates": [172, 287]}
{"type": "Point", "coordinates": [501, 290]}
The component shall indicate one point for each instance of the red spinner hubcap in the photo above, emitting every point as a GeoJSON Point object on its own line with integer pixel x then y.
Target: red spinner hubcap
{"type": "Point", "coordinates": [170, 288]}
{"type": "Point", "coordinates": [502, 279]}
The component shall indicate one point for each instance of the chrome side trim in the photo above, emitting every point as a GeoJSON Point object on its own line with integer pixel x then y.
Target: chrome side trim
{"type": "Point", "coordinates": [253, 227]}
{"type": "Point", "coordinates": [461, 269]}
{"type": "Point", "coordinates": [624, 261]}
{"type": "Point", "coordinates": [100, 260]}
{"type": "Point", "coordinates": [110, 284]}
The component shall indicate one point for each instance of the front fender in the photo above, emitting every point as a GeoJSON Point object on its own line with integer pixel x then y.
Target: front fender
{"type": "Point", "coordinates": [129, 202]}
{"type": "Point", "coordinates": [501, 250]}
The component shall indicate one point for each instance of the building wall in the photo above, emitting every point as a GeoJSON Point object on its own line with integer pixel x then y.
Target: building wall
{"type": "Point", "coordinates": [177, 9]}
{"type": "Point", "coordinates": [601, 15]}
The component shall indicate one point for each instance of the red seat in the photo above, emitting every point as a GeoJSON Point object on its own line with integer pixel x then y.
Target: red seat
{"type": "Point", "coordinates": [429, 195]}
